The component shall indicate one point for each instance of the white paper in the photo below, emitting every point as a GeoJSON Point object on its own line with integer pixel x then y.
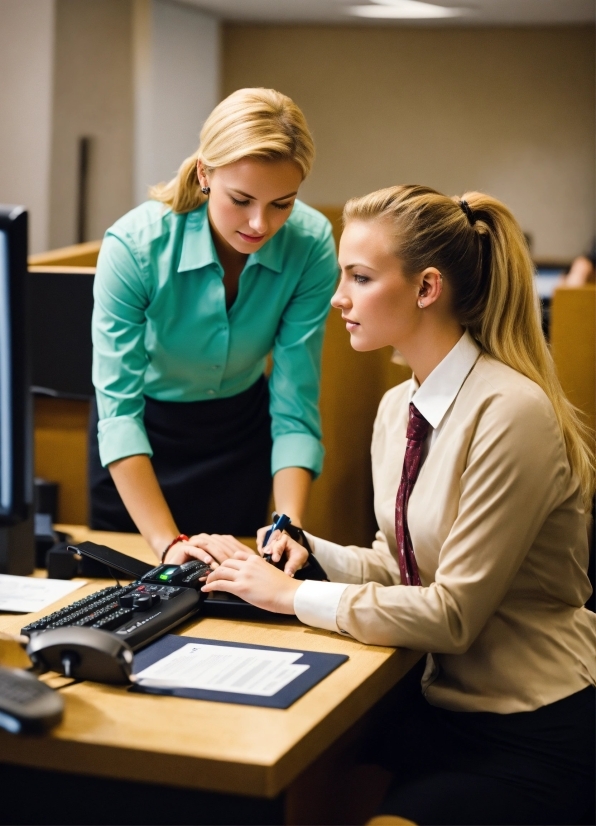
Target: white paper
{"type": "Point", "coordinates": [25, 594]}
{"type": "Point", "coordinates": [255, 671]}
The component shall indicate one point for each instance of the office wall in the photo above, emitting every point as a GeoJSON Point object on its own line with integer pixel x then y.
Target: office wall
{"type": "Point", "coordinates": [138, 77]}
{"type": "Point", "coordinates": [93, 97]}
{"type": "Point", "coordinates": [509, 111]}
{"type": "Point", "coordinates": [176, 59]}
{"type": "Point", "coordinates": [26, 55]}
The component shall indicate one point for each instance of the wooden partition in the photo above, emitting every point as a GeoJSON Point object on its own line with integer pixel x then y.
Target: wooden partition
{"type": "Point", "coordinates": [60, 425]}
{"type": "Point", "coordinates": [79, 255]}
{"type": "Point", "coordinates": [573, 342]}
{"type": "Point", "coordinates": [61, 453]}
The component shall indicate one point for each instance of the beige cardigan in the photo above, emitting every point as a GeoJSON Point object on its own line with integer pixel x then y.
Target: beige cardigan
{"type": "Point", "coordinates": [500, 538]}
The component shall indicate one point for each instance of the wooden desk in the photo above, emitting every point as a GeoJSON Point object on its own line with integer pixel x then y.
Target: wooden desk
{"type": "Point", "coordinates": [108, 732]}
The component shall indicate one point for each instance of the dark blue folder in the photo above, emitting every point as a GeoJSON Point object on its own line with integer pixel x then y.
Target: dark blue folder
{"type": "Point", "coordinates": [320, 666]}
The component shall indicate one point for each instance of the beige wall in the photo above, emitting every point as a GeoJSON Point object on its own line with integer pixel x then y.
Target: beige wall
{"type": "Point", "coordinates": [177, 58]}
{"type": "Point", "coordinates": [93, 97]}
{"type": "Point", "coordinates": [26, 55]}
{"type": "Point", "coordinates": [138, 77]}
{"type": "Point", "coordinates": [508, 111]}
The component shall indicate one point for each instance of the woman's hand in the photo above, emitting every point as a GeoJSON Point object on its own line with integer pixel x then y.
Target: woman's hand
{"type": "Point", "coordinates": [281, 544]}
{"type": "Point", "coordinates": [219, 546]}
{"type": "Point", "coordinates": [184, 551]}
{"type": "Point", "coordinates": [211, 548]}
{"type": "Point", "coordinates": [253, 579]}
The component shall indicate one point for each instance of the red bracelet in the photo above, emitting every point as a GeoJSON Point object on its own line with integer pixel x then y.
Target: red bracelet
{"type": "Point", "coordinates": [182, 537]}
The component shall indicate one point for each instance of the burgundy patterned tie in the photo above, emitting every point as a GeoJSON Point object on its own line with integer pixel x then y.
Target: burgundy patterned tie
{"type": "Point", "coordinates": [415, 435]}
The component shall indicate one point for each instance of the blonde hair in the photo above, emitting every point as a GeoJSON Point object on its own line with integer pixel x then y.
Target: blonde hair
{"type": "Point", "coordinates": [249, 123]}
{"type": "Point", "coordinates": [476, 243]}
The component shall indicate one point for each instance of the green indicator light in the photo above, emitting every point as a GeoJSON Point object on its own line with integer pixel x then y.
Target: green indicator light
{"type": "Point", "coordinates": [163, 576]}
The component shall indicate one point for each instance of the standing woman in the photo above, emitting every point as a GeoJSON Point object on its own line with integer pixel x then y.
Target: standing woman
{"type": "Point", "coordinates": [193, 290]}
{"type": "Point", "coordinates": [482, 476]}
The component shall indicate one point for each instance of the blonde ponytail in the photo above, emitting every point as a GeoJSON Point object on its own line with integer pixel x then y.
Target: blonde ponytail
{"type": "Point", "coordinates": [249, 123]}
{"type": "Point", "coordinates": [479, 247]}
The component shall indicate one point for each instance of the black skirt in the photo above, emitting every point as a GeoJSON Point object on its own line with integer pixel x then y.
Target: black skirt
{"type": "Point", "coordinates": [529, 767]}
{"type": "Point", "coordinates": [212, 460]}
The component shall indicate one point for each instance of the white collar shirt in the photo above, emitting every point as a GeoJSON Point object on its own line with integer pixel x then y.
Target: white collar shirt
{"type": "Point", "coordinates": [435, 396]}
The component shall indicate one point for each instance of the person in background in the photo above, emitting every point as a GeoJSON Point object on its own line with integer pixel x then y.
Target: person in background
{"type": "Point", "coordinates": [582, 269]}
{"type": "Point", "coordinates": [193, 290]}
{"type": "Point", "coordinates": [482, 475]}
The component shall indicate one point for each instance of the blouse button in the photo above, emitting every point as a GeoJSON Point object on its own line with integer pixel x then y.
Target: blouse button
{"type": "Point", "coordinates": [211, 392]}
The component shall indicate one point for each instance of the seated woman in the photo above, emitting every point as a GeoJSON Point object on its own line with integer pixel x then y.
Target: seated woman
{"type": "Point", "coordinates": [482, 477]}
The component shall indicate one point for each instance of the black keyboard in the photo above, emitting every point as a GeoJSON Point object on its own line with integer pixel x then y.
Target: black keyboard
{"type": "Point", "coordinates": [138, 613]}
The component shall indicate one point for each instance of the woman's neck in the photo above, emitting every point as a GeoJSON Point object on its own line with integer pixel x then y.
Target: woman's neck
{"type": "Point", "coordinates": [427, 348]}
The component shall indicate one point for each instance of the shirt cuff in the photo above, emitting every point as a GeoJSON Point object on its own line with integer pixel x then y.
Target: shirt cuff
{"type": "Point", "coordinates": [121, 436]}
{"type": "Point", "coordinates": [316, 603]}
{"type": "Point", "coordinates": [297, 450]}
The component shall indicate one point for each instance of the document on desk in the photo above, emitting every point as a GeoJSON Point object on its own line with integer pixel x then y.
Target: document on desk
{"type": "Point", "coordinates": [252, 671]}
{"type": "Point", "coordinates": [25, 594]}
{"type": "Point", "coordinates": [223, 671]}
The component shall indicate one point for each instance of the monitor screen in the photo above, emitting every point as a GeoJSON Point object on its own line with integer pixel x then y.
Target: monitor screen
{"type": "Point", "coordinates": [60, 308]}
{"type": "Point", "coordinates": [6, 456]}
{"type": "Point", "coordinates": [16, 427]}
{"type": "Point", "coordinates": [548, 279]}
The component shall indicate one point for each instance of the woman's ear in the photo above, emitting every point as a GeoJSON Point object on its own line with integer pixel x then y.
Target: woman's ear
{"type": "Point", "coordinates": [431, 287]}
{"type": "Point", "coordinates": [201, 175]}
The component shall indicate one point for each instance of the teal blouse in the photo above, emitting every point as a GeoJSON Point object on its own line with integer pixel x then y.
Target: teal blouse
{"type": "Point", "coordinates": [161, 328]}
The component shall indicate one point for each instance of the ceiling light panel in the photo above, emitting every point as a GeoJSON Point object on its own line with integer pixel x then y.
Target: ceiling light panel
{"type": "Point", "coordinates": [405, 9]}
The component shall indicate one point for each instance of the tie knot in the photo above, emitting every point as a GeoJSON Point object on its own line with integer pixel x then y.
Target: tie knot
{"type": "Point", "coordinates": [417, 425]}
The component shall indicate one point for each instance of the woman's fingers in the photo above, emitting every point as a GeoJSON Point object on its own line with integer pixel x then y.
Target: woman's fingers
{"type": "Point", "coordinates": [272, 547]}
{"type": "Point", "coordinates": [219, 546]}
{"type": "Point", "coordinates": [182, 552]}
{"type": "Point", "coordinates": [261, 533]}
{"type": "Point", "coordinates": [234, 545]}
{"type": "Point", "coordinates": [295, 562]}
{"type": "Point", "coordinates": [296, 555]}
{"type": "Point", "coordinates": [256, 581]}
{"type": "Point", "coordinates": [198, 553]}
{"type": "Point", "coordinates": [227, 570]}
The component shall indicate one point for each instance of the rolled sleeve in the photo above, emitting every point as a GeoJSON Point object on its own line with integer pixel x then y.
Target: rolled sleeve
{"type": "Point", "coordinates": [121, 436]}
{"type": "Point", "coordinates": [295, 379]}
{"type": "Point", "coordinates": [316, 603]}
{"type": "Point", "coordinates": [297, 450]}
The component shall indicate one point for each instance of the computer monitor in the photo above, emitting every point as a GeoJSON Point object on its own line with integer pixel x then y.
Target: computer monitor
{"type": "Point", "coordinates": [16, 421]}
{"type": "Point", "coordinates": [548, 278]}
{"type": "Point", "coordinates": [60, 301]}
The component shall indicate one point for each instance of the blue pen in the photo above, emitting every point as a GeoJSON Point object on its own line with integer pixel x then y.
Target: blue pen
{"type": "Point", "coordinates": [280, 523]}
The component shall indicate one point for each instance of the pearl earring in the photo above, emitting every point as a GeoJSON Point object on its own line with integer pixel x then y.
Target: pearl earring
{"type": "Point", "coordinates": [421, 304]}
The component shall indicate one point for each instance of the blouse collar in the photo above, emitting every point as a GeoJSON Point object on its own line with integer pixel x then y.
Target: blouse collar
{"type": "Point", "coordinates": [198, 250]}
{"type": "Point", "coordinates": [436, 394]}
